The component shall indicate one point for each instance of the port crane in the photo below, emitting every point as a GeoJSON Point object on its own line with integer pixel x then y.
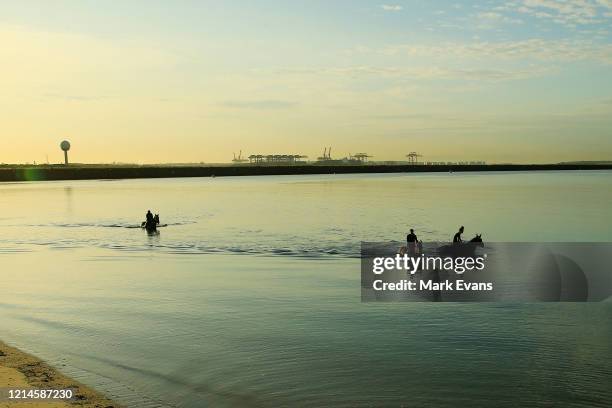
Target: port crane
{"type": "Point", "coordinates": [326, 155]}
{"type": "Point", "coordinates": [239, 159]}
{"type": "Point", "coordinates": [360, 157]}
{"type": "Point", "coordinates": [413, 157]}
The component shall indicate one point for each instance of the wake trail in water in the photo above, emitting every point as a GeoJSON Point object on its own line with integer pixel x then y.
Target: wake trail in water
{"type": "Point", "coordinates": [332, 243]}
{"type": "Point", "coordinates": [99, 225]}
{"type": "Point", "coordinates": [265, 246]}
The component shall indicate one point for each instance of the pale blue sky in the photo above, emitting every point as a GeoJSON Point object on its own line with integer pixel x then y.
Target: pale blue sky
{"type": "Point", "coordinates": [523, 81]}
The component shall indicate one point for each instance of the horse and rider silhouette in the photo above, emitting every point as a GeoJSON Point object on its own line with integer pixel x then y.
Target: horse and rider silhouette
{"type": "Point", "coordinates": [151, 223]}
{"type": "Point", "coordinates": [458, 247]}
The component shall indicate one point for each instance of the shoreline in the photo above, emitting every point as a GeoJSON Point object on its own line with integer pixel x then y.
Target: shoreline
{"type": "Point", "coordinates": [19, 370]}
{"type": "Point", "coordinates": [96, 172]}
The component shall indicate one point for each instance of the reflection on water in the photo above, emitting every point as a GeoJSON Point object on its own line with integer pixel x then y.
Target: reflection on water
{"type": "Point", "coordinates": [179, 319]}
{"type": "Point", "coordinates": [68, 193]}
{"type": "Point", "coordinates": [306, 216]}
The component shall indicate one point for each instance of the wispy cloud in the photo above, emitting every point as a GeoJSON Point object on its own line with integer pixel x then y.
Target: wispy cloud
{"type": "Point", "coordinates": [565, 12]}
{"type": "Point", "coordinates": [605, 3]}
{"type": "Point", "coordinates": [260, 104]}
{"type": "Point", "coordinates": [532, 49]}
{"type": "Point", "coordinates": [391, 7]}
{"type": "Point", "coordinates": [490, 19]}
{"type": "Point", "coordinates": [73, 98]}
{"type": "Point", "coordinates": [425, 73]}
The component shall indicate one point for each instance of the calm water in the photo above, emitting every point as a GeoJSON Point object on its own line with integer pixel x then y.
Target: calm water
{"type": "Point", "coordinates": [250, 297]}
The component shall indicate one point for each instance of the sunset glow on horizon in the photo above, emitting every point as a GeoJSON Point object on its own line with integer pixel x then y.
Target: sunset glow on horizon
{"type": "Point", "coordinates": [195, 81]}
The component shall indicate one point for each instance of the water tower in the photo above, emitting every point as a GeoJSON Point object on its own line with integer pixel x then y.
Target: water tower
{"type": "Point", "coordinates": [65, 146]}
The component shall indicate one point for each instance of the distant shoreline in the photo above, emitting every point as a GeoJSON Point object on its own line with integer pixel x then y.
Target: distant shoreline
{"type": "Point", "coordinates": [95, 172]}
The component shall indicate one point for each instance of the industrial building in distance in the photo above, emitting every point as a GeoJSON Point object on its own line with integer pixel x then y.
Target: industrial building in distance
{"type": "Point", "coordinates": [266, 164]}
{"type": "Point", "coordinates": [327, 160]}
{"type": "Point", "coordinates": [299, 159]}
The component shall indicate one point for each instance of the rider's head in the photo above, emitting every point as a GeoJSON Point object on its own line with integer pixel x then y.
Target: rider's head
{"type": "Point", "coordinates": [461, 229]}
{"type": "Point", "coordinates": [411, 231]}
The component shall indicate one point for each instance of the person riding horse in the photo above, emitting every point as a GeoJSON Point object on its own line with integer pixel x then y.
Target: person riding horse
{"type": "Point", "coordinates": [151, 221]}
{"type": "Point", "coordinates": [460, 248]}
{"type": "Point", "coordinates": [457, 238]}
{"type": "Point", "coordinates": [413, 245]}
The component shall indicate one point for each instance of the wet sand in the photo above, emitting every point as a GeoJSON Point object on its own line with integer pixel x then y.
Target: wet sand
{"type": "Point", "coordinates": [19, 370]}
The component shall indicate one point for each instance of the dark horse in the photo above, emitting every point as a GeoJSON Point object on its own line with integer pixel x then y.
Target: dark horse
{"type": "Point", "coordinates": [464, 249]}
{"type": "Point", "coordinates": [151, 226]}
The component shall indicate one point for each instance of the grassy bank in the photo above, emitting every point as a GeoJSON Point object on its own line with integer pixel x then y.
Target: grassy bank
{"type": "Point", "coordinates": [91, 172]}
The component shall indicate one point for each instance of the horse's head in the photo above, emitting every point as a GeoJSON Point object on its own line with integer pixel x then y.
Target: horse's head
{"type": "Point", "coordinates": [477, 238]}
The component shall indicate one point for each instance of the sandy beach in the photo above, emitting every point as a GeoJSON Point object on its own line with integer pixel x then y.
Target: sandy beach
{"type": "Point", "coordinates": [19, 370]}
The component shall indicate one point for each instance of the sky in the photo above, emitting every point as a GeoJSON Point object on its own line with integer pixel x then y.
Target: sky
{"type": "Point", "coordinates": [195, 81]}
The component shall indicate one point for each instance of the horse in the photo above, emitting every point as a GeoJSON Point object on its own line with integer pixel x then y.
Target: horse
{"type": "Point", "coordinates": [464, 249]}
{"type": "Point", "coordinates": [412, 249]}
{"type": "Point", "coordinates": [152, 226]}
